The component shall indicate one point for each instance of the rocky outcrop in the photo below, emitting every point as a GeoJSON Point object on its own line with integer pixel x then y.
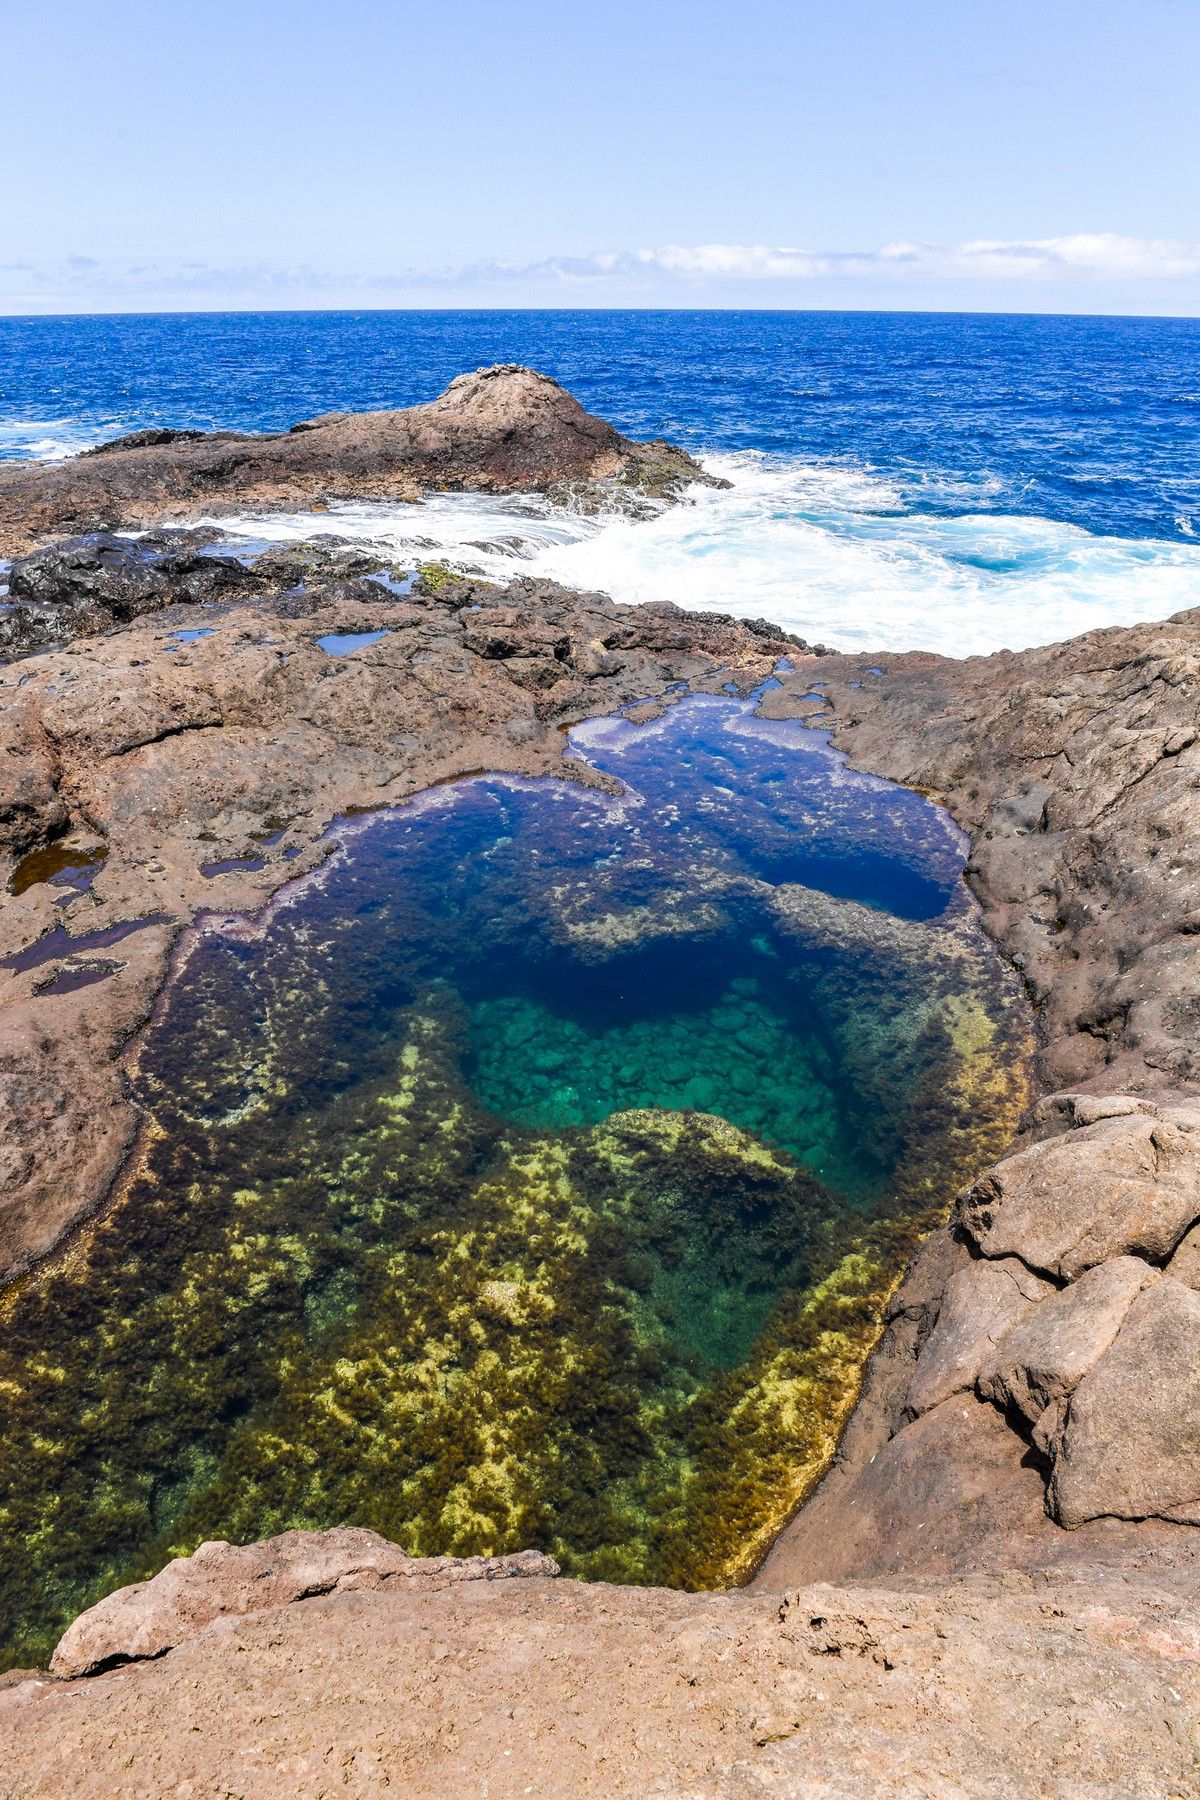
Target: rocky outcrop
{"type": "Point", "coordinates": [1038, 1364]}
{"type": "Point", "coordinates": [980, 1306]}
{"type": "Point", "coordinates": [1002, 1404]}
{"type": "Point", "coordinates": [500, 430]}
{"type": "Point", "coordinates": [1052, 1298]}
{"type": "Point", "coordinates": [1075, 770]}
{"type": "Point", "coordinates": [223, 1581]}
{"type": "Point", "coordinates": [1126, 1183]}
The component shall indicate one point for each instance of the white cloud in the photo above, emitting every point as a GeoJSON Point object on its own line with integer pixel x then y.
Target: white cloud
{"type": "Point", "coordinates": [1078, 261]}
{"type": "Point", "coordinates": [1097, 256]}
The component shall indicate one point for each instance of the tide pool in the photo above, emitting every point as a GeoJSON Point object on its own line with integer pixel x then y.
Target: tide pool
{"type": "Point", "coordinates": [534, 1174]}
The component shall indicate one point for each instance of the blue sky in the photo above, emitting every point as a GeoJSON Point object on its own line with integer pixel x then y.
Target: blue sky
{"type": "Point", "coordinates": [880, 153]}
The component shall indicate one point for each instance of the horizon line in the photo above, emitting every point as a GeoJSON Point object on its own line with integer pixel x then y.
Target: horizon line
{"type": "Point", "coordinates": [936, 312]}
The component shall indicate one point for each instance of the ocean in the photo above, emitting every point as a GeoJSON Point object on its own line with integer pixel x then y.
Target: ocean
{"type": "Point", "coordinates": [950, 482]}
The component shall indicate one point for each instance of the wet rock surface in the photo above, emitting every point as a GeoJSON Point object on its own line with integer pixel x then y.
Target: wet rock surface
{"type": "Point", "coordinates": [89, 585]}
{"type": "Point", "coordinates": [500, 430]}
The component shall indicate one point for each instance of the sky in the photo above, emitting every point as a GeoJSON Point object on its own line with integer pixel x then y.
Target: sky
{"type": "Point", "coordinates": [964, 154]}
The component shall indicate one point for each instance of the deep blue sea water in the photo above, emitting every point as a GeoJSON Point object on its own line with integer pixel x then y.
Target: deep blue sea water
{"type": "Point", "coordinates": [957, 482]}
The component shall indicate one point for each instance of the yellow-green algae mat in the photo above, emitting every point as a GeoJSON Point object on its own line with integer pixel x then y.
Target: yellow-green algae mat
{"type": "Point", "coordinates": [536, 1176]}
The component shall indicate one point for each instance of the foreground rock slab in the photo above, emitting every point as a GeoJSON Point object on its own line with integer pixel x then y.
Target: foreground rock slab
{"type": "Point", "coordinates": [995, 1686]}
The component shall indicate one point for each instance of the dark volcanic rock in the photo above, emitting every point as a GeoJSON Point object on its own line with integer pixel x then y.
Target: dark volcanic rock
{"type": "Point", "coordinates": [88, 585]}
{"type": "Point", "coordinates": [150, 439]}
{"type": "Point", "coordinates": [501, 430]}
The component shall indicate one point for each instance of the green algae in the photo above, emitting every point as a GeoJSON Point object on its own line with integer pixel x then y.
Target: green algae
{"type": "Point", "coordinates": [506, 1187]}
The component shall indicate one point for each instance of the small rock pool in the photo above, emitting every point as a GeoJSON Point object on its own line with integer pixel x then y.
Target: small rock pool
{"type": "Point", "coordinates": [535, 1174]}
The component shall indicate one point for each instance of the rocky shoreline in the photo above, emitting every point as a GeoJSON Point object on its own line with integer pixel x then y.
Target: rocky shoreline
{"type": "Point", "coordinates": [1011, 1519]}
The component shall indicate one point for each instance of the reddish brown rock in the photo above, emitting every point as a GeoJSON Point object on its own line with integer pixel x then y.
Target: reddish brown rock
{"type": "Point", "coordinates": [1125, 1184]}
{"type": "Point", "coordinates": [1042, 1360]}
{"type": "Point", "coordinates": [1185, 1264]}
{"type": "Point", "coordinates": [985, 1685]}
{"type": "Point", "coordinates": [980, 1305]}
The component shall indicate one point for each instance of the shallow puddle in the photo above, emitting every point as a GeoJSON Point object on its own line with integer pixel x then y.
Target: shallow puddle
{"type": "Point", "coordinates": [60, 942]}
{"type": "Point", "coordinates": [535, 1174]}
{"type": "Point", "coordinates": [345, 643]}
{"type": "Point", "coordinates": [62, 865]}
{"type": "Point", "coordinates": [192, 635]}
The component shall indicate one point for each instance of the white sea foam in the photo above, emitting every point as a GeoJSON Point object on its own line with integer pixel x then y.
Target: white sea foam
{"type": "Point", "coordinates": [50, 440]}
{"type": "Point", "coordinates": [832, 552]}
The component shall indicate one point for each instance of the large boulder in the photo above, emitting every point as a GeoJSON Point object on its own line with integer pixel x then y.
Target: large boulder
{"type": "Point", "coordinates": [1045, 1356]}
{"type": "Point", "coordinates": [1125, 1184]}
{"type": "Point", "coordinates": [500, 430]}
{"type": "Point", "coordinates": [981, 1305]}
{"type": "Point", "coordinates": [1130, 1446]}
{"type": "Point", "coordinates": [224, 1580]}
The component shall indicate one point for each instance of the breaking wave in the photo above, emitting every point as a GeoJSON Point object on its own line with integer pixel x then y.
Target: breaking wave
{"type": "Point", "coordinates": [831, 551]}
